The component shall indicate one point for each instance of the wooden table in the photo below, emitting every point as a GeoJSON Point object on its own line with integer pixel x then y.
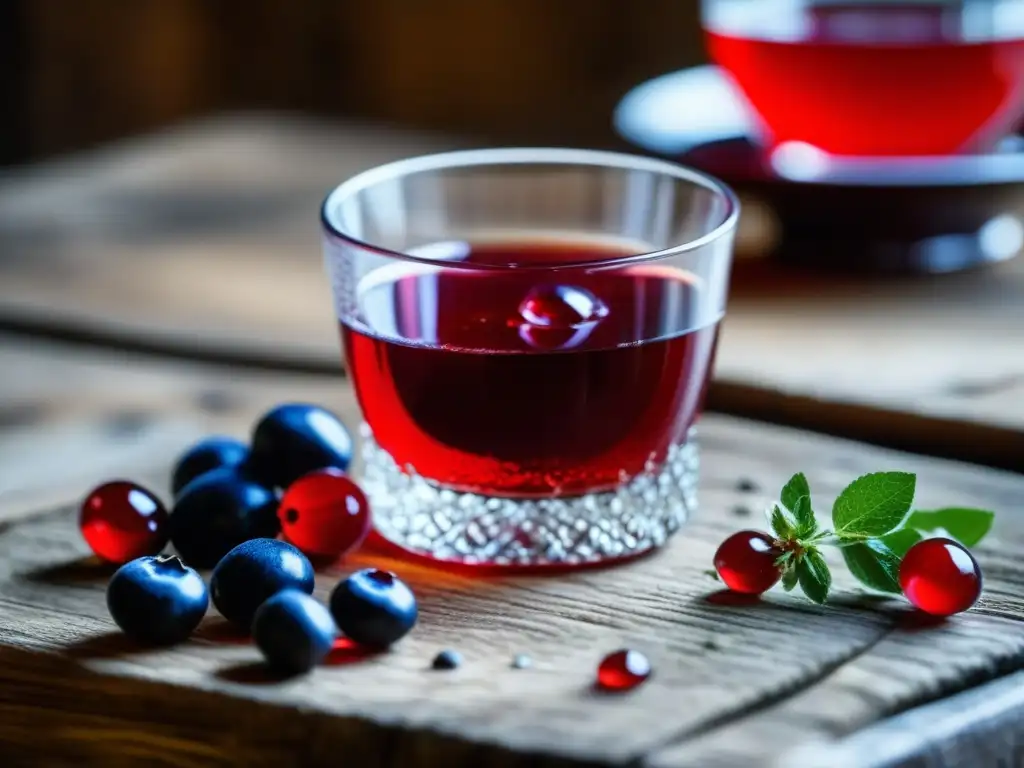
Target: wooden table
{"type": "Point", "coordinates": [169, 288]}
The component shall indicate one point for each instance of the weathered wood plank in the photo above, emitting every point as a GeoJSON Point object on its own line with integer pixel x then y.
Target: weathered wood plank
{"type": "Point", "coordinates": [735, 682]}
{"type": "Point", "coordinates": [204, 241]}
{"type": "Point", "coordinates": [980, 727]}
{"type": "Point", "coordinates": [70, 415]}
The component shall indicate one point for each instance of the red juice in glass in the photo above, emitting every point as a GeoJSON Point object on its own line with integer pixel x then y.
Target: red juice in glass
{"type": "Point", "coordinates": [875, 77]}
{"type": "Point", "coordinates": [529, 385]}
{"type": "Point", "coordinates": [530, 335]}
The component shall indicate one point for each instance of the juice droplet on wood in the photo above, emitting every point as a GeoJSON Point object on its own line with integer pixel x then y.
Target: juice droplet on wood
{"type": "Point", "coordinates": [623, 670]}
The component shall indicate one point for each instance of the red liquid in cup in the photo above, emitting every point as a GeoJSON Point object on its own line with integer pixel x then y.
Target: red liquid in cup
{"type": "Point", "coordinates": [904, 79]}
{"type": "Point", "coordinates": [526, 382]}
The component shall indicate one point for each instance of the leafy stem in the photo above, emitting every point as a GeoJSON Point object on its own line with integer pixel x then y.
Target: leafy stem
{"type": "Point", "coordinates": [873, 527]}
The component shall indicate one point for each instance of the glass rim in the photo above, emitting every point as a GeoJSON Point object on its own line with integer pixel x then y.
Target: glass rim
{"type": "Point", "coordinates": [470, 158]}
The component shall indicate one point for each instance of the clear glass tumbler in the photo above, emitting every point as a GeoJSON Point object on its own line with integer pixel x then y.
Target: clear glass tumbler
{"type": "Point", "coordinates": [529, 333]}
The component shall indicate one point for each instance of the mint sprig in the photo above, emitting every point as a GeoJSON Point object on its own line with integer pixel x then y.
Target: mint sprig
{"type": "Point", "coordinates": [874, 564]}
{"type": "Point", "coordinates": [968, 526]}
{"type": "Point", "coordinates": [814, 576]}
{"type": "Point", "coordinates": [873, 505]}
{"type": "Point", "coordinates": [872, 526]}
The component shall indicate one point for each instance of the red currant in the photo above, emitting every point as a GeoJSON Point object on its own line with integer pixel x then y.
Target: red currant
{"type": "Point", "coordinates": [325, 514]}
{"type": "Point", "coordinates": [122, 521]}
{"type": "Point", "coordinates": [940, 577]}
{"type": "Point", "coordinates": [623, 670]}
{"type": "Point", "coordinates": [746, 562]}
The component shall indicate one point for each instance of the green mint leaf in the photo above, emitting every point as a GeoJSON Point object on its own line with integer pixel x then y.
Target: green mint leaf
{"type": "Point", "coordinates": [789, 579]}
{"type": "Point", "coordinates": [711, 573]}
{"type": "Point", "coordinates": [806, 525]}
{"type": "Point", "coordinates": [795, 490]}
{"type": "Point", "coordinates": [968, 526]}
{"type": "Point", "coordinates": [900, 540]}
{"type": "Point", "coordinates": [873, 505]}
{"type": "Point", "coordinates": [781, 524]}
{"type": "Point", "coordinates": [874, 564]}
{"type": "Point", "coordinates": [813, 574]}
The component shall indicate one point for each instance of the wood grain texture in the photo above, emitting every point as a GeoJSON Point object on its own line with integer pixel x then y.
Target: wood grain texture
{"type": "Point", "coordinates": [70, 415]}
{"type": "Point", "coordinates": [735, 683]}
{"type": "Point", "coordinates": [203, 241]}
{"type": "Point", "coordinates": [982, 726]}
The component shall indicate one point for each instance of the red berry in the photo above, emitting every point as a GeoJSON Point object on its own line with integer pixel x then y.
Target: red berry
{"type": "Point", "coordinates": [325, 514]}
{"type": "Point", "coordinates": [122, 521]}
{"type": "Point", "coordinates": [940, 577]}
{"type": "Point", "coordinates": [746, 562]}
{"type": "Point", "coordinates": [623, 670]}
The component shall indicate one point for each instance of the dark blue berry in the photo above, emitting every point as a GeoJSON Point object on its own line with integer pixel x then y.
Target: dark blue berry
{"type": "Point", "coordinates": [295, 439]}
{"type": "Point", "coordinates": [293, 631]}
{"type": "Point", "coordinates": [447, 660]}
{"type": "Point", "coordinates": [205, 456]}
{"type": "Point", "coordinates": [255, 571]}
{"type": "Point", "coordinates": [217, 512]}
{"type": "Point", "coordinates": [157, 600]}
{"type": "Point", "coordinates": [373, 608]}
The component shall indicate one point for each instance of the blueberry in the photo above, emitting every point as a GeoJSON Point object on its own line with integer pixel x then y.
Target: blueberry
{"type": "Point", "coordinates": [294, 439]}
{"type": "Point", "coordinates": [447, 659]}
{"type": "Point", "coordinates": [217, 512]}
{"type": "Point", "coordinates": [206, 455]}
{"type": "Point", "coordinates": [373, 608]}
{"type": "Point", "coordinates": [157, 600]}
{"type": "Point", "coordinates": [255, 571]}
{"type": "Point", "coordinates": [293, 631]}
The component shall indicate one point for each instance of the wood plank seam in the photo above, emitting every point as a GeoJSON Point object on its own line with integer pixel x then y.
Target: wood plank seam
{"type": "Point", "coordinates": [126, 340]}
{"type": "Point", "coordinates": [734, 716]}
{"type": "Point", "coordinates": [981, 725]}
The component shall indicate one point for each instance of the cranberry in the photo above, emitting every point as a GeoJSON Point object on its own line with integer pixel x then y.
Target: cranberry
{"type": "Point", "coordinates": [623, 670]}
{"type": "Point", "coordinates": [746, 562]}
{"type": "Point", "coordinates": [940, 577]}
{"type": "Point", "coordinates": [325, 513]}
{"type": "Point", "coordinates": [122, 521]}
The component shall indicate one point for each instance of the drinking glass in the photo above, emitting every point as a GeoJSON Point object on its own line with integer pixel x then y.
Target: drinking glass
{"type": "Point", "coordinates": [529, 333]}
{"type": "Point", "coordinates": [875, 77]}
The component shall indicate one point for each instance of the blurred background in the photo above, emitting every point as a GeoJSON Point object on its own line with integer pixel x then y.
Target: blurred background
{"type": "Point", "coordinates": [76, 74]}
{"type": "Point", "coordinates": [162, 163]}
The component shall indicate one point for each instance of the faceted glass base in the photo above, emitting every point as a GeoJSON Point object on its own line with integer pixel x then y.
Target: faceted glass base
{"type": "Point", "coordinates": [473, 529]}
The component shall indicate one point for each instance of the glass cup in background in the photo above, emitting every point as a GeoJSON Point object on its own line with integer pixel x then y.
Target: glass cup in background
{"type": "Point", "coordinates": [875, 77]}
{"type": "Point", "coordinates": [529, 333]}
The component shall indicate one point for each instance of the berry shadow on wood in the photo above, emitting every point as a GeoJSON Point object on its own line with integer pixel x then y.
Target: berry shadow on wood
{"type": "Point", "coordinates": [220, 630]}
{"type": "Point", "coordinates": [253, 673]}
{"type": "Point", "coordinates": [109, 645]}
{"type": "Point", "coordinates": [726, 598]}
{"type": "Point", "coordinates": [81, 571]}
